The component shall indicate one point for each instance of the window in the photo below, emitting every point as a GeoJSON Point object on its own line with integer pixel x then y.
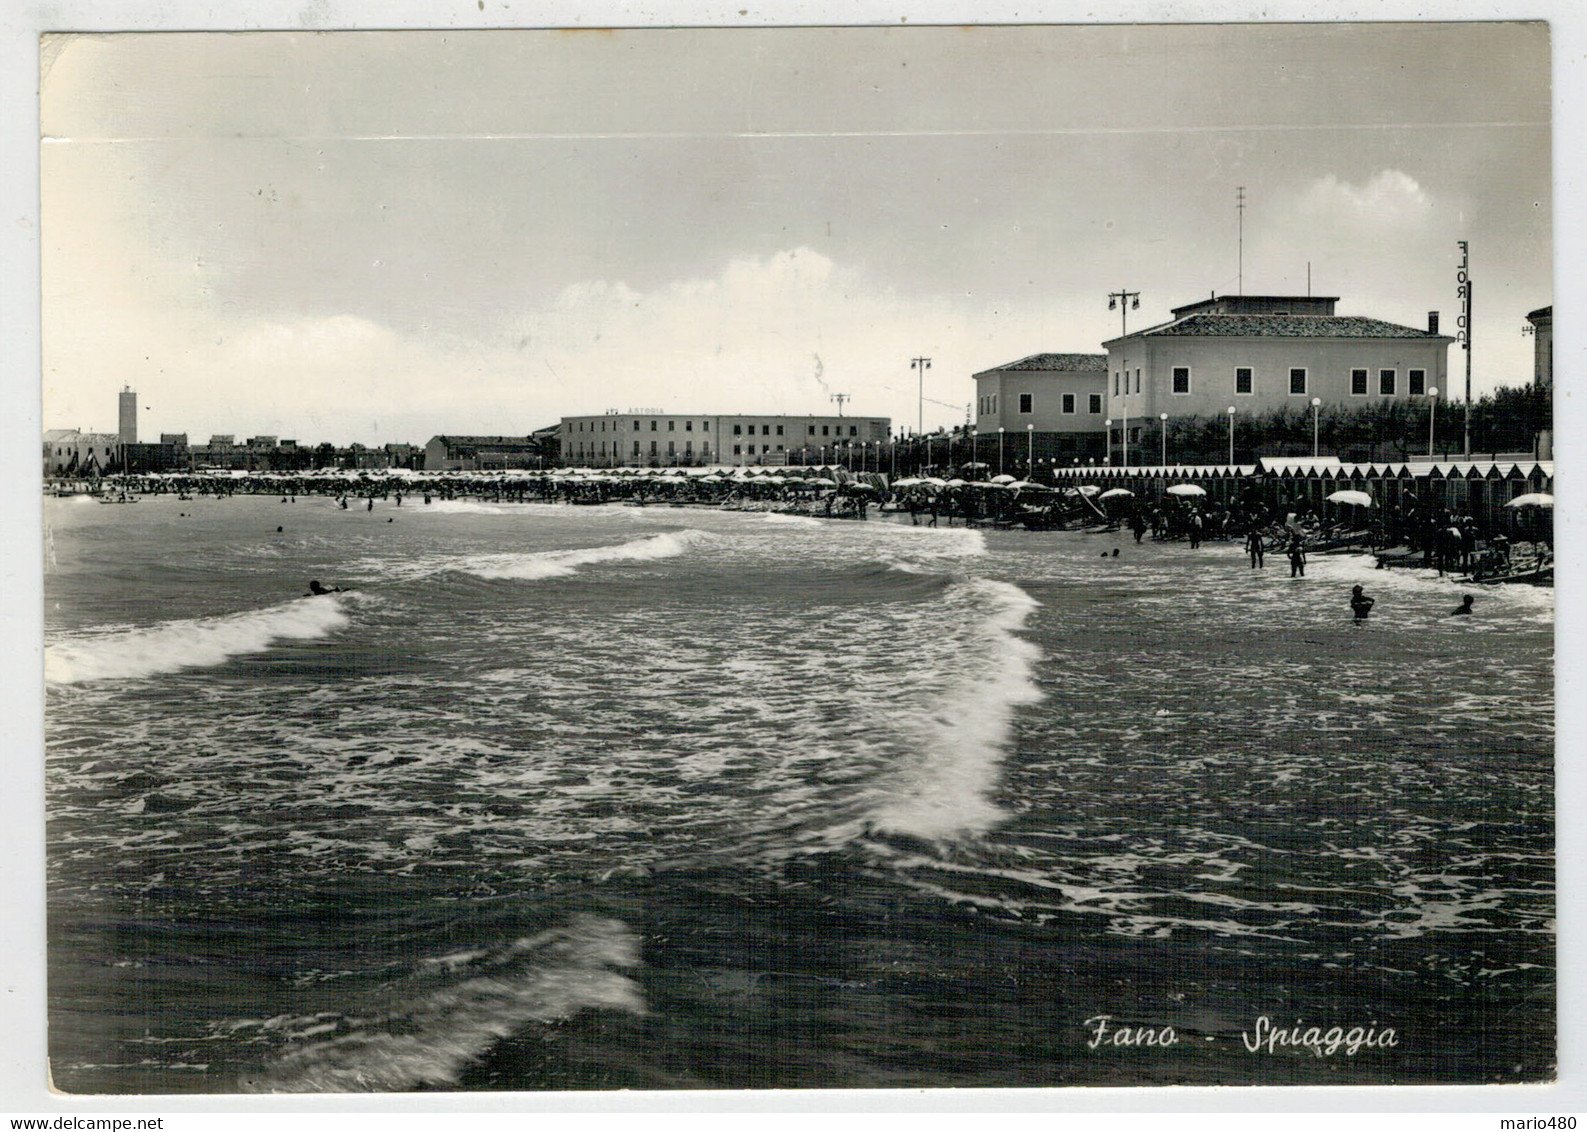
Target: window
{"type": "Point", "coordinates": [1386, 382]}
{"type": "Point", "coordinates": [672, 426]}
{"type": "Point", "coordinates": [1181, 379]}
{"type": "Point", "coordinates": [1418, 382]}
{"type": "Point", "coordinates": [1024, 402]}
{"type": "Point", "coordinates": [1115, 383]}
{"type": "Point", "coordinates": [765, 430]}
{"type": "Point", "coordinates": [1137, 379]}
{"type": "Point", "coordinates": [779, 448]}
{"type": "Point", "coordinates": [688, 426]}
{"type": "Point", "coordinates": [1242, 379]}
{"type": "Point", "coordinates": [1297, 382]}
{"type": "Point", "coordinates": [652, 447]}
{"type": "Point", "coordinates": [672, 447]}
{"type": "Point", "coordinates": [636, 429]}
{"type": "Point", "coordinates": [854, 430]}
{"type": "Point", "coordinates": [688, 446]}
{"type": "Point", "coordinates": [636, 444]}
{"type": "Point", "coordinates": [779, 430]}
{"type": "Point", "coordinates": [752, 450]}
{"type": "Point", "coordinates": [652, 426]}
{"type": "Point", "coordinates": [1358, 383]}
{"type": "Point", "coordinates": [1068, 403]}
{"type": "Point", "coordinates": [738, 449]}
{"type": "Point", "coordinates": [738, 430]}
{"type": "Point", "coordinates": [812, 430]}
{"type": "Point", "coordinates": [1096, 404]}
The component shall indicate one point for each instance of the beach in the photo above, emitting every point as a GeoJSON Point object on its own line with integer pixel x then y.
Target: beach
{"type": "Point", "coordinates": [597, 797]}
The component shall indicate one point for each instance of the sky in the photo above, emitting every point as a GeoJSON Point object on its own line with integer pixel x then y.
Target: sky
{"type": "Point", "coordinates": [383, 236]}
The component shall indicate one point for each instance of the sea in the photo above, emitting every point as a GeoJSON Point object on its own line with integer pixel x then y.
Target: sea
{"type": "Point", "coordinates": [616, 797]}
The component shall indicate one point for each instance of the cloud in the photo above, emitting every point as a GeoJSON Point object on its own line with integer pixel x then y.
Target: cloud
{"type": "Point", "coordinates": [1391, 201]}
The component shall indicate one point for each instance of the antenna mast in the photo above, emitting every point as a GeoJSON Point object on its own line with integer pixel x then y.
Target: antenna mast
{"type": "Point", "coordinates": [840, 398]}
{"type": "Point", "coordinates": [1239, 207]}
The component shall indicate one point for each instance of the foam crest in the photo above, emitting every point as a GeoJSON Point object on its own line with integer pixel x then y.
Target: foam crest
{"type": "Point", "coordinates": [199, 643]}
{"type": "Point", "coordinates": [456, 507]}
{"type": "Point", "coordinates": [560, 563]}
{"type": "Point", "coordinates": [947, 792]}
{"type": "Point", "coordinates": [544, 978]}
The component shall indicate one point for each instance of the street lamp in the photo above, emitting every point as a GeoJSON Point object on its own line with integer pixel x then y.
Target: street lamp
{"type": "Point", "coordinates": [1432, 412]}
{"type": "Point", "coordinates": [1230, 411]}
{"type": "Point", "coordinates": [999, 449]}
{"type": "Point", "coordinates": [975, 445]}
{"type": "Point", "coordinates": [1107, 441]}
{"type": "Point", "coordinates": [1316, 403]}
{"type": "Point", "coordinates": [1164, 431]}
{"type": "Point", "coordinates": [1124, 301]}
{"type": "Point", "coordinates": [1030, 449]}
{"type": "Point", "coordinates": [921, 365]}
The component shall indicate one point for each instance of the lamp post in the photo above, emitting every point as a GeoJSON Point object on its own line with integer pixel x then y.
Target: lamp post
{"type": "Point", "coordinates": [921, 365]}
{"type": "Point", "coordinates": [1030, 450]}
{"type": "Point", "coordinates": [1316, 403]}
{"type": "Point", "coordinates": [1163, 429]}
{"type": "Point", "coordinates": [975, 445]}
{"type": "Point", "coordinates": [1125, 301]}
{"type": "Point", "coordinates": [1230, 411]}
{"type": "Point", "coordinates": [999, 449]}
{"type": "Point", "coordinates": [1432, 412]}
{"type": "Point", "coordinates": [1107, 442]}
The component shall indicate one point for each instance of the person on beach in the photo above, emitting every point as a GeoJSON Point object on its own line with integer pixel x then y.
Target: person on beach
{"type": "Point", "coordinates": [1465, 606]}
{"type": "Point", "coordinates": [1360, 603]}
{"type": "Point", "coordinates": [1297, 556]}
{"type": "Point", "coordinates": [1254, 547]}
{"type": "Point", "coordinates": [1195, 530]}
{"type": "Point", "coordinates": [1137, 524]}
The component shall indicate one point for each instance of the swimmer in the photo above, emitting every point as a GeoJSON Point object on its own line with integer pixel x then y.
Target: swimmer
{"type": "Point", "coordinates": [315, 589]}
{"type": "Point", "coordinates": [1115, 552]}
{"type": "Point", "coordinates": [278, 530]}
{"type": "Point", "coordinates": [1465, 606]}
{"type": "Point", "coordinates": [1360, 603]}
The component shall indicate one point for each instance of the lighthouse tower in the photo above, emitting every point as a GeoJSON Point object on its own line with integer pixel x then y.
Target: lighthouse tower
{"type": "Point", "coordinates": [129, 416]}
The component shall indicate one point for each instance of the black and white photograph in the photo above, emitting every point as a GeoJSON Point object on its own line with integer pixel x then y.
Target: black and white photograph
{"type": "Point", "coordinates": [1003, 556]}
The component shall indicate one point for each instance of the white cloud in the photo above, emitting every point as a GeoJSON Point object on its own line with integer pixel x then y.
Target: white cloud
{"type": "Point", "coordinates": [1390, 201]}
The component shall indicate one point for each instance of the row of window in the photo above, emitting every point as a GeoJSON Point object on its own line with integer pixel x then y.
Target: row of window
{"type": "Point", "coordinates": [705, 426]}
{"type": "Point", "coordinates": [1299, 381]}
{"type": "Point", "coordinates": [1067, 403]}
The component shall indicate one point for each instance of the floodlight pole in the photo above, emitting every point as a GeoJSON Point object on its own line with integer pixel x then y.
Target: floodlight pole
{"type": "Point", "coordinates": [921, 365]}
{"type": "Point", "coordinates": [1463, 291]}
{"type": "Point", "coordinates": [1124, 300]}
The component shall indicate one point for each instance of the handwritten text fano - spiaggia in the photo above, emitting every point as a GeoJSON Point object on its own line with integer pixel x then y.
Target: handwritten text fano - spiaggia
{"type": "Point", "coordinates": [1263, 1037]}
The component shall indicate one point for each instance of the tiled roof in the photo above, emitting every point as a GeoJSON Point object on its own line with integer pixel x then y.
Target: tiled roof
{"type": "Point", "coordinates": [1064, 363]}
{"type": "Point", "coordinates": [1281, 326]}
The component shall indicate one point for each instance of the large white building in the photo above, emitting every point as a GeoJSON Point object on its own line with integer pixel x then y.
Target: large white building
{"type": "Point", "coordinates": [1259, 353]}
{"type": "Point", "coordinates": [1046, 405]}
{"type": "Point", "coordinates": [665, 439]}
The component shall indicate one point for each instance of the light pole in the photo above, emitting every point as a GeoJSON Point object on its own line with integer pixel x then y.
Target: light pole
{"type": "Point", "coordinates": [1163, 417]}
{"type": "Point", "coordinates": [1316, 403]}
{"type": "Point", "coordinates": [921, 365]}
{"type": "Point", "coordinates": [1107, 442]}
{"type": "Point", "coordinates": [1125, 301]}
{"type": "Point", "coordinates": [1030, 450]}
{"type": "Point", "coordinates": [1230, 411]}
{"type": "Point", "coordinates": [999, 449]}
{"type": "Point", "coordinates": [975, 445]}
{"type": "Point", "coordinates": [1432, 412]}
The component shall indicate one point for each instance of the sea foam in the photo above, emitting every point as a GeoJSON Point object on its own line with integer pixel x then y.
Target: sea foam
{"type": "Point", "coordinates": [560, 563]}
{"type": "Point", "coordinates": [198, 643]}
{"type": "Point", "coordinates": [544, 978]}
{"type": "Point", "coordinates": [946, 791]}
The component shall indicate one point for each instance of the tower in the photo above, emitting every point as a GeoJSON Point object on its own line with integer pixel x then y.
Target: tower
{"type": "Point", "coordinates": [129, 416]}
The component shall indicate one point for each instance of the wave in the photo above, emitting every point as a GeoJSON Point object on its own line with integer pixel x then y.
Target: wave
{"type": "Point", "coordinates": [947, 790]}
{"type": "Point", "coordinates": [457, 507]}
{"type": "Point", "coordinates": [198, 643]}
{"type": "Point", "coordinates": [560, 563]}
{"type": "Point", "coordinates": [544, 978]}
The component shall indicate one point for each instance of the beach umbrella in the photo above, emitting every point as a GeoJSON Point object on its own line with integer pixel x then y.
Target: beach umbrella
{"type": "Point", "coordinates": [1025, 485]}
{"type": "Point", "coordinates": [1186, 489]}
{"type": "Point", "coordinates": [1353, 498]}
{"type": "Point", "coordinates": [1093, 489]}
{"type": "Point", "coordinates": [973, 465]}
{"type": "Point", "coordinates": [1110, 493]}
{"type": "Point", "coordinates": [954, 483]}
{"type": "Point", "coordinates": [1532, 499]}
{"type": "Point", "coordinates": [1002, 479]}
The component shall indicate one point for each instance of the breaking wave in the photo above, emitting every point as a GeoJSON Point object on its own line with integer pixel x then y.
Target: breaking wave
{"type": "Point", "coordinates": [198, 643]}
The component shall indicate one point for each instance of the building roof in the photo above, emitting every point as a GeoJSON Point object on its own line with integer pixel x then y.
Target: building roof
{"type": "Point", "coordinates": [480, 439]}
{"type": "Point", "coordinates": [1053, 363]}
{"type": "Point", "coordinates": [60, 433]}
{"type": "Point", "coordinates": [1542, 313]}
{"type": "Point", "coordinates": [1280, 326]}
